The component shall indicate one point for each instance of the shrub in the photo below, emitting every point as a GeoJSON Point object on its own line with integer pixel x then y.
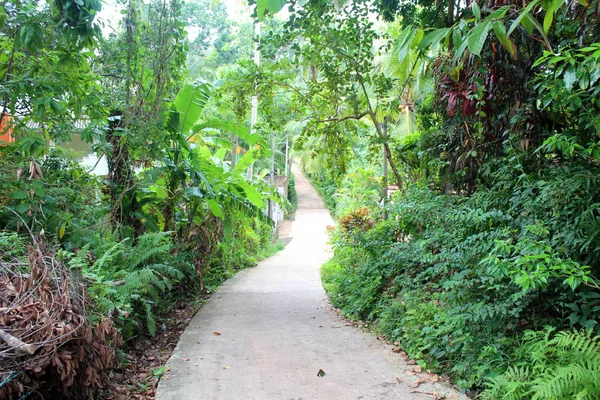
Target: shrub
{"type": "Point", "coordinates": [458, 280]}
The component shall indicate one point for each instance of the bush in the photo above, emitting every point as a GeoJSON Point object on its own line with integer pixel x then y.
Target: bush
{"type": "Point", "coordinates": [458, 280]}
{"type": "Point", "coordinates": [292, 195]}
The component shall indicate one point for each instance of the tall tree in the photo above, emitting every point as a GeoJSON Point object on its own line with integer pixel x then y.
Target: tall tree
{"type": "Point", "coordinates": [339, 46]}
{"type": "Point", "coordinates": [137, 82]}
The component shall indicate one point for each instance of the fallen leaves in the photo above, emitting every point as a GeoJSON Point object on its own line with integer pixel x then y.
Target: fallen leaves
{"type": "Point", "coordinates": [44, 330]}
{"type": "Point", "coordinates": [422, 377]}
{"type": "Point", "coordinates": [416, 383]}
{"type": "Point", "coordinates": [135, 382]}
{"type": "Point", "coordinates": [435, 395]}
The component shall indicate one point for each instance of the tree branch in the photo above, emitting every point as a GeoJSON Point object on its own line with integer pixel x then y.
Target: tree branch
{"type": "Point", "coordinates": [15, 343]}
{"type": "Point", "coordinates": [357, 116]}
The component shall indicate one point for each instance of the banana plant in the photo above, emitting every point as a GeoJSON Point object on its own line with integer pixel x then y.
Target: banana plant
{"type": "Point", "coordinates": [198, 177]}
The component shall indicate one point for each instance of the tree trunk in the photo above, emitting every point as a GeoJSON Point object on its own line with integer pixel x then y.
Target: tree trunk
{"type": "Point", "coordinates": [388, 154]}
{"type": "Point", "coordinates": [450, 15]}
{"type": "Point", "coordinates": [385, 165]}
{"type": "Point", "coordinates": [386, 146]}
{"type": "Point", "coordinates": [119, 169]}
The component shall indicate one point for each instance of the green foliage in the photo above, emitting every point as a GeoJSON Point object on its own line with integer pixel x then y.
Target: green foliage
{"type": "Point", "coordinates": [571, 82]}
{"type": "Point", "coordinates": [360, 188]}
{"type": "Point", "coordinates": [292, 195]}
{"type": "Point", "coordinates": [251, 241]}
{"type": "Point", "coordinates": [128, 281]}
{"type": "Point", "coordinates": [173, 216]}
{"type": "Point", "coordinates": [551, 366]}
{"type": "Point", "coordinates": [11, 246]}
{"type": "Point", "coordinates": [456, 280]}
{"type": "Point", "coordinates": [326, 187]}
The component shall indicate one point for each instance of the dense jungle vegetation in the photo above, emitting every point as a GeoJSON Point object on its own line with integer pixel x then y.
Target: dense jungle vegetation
{"type": "Point", "coordinates": [89, 261]}
{"type": "Point", "coordinates": [483, 116]}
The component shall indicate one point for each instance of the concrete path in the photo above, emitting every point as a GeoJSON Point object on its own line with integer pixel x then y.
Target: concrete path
{"type": "Point", "coordinates": [267, 332]}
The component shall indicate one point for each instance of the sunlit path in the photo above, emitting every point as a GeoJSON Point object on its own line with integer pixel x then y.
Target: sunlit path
{"type": "Point", "coordinates": [267, 332]}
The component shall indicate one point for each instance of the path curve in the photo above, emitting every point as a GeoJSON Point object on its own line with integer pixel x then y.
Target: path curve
{"type": "Point", "coordinates": [277, 330]}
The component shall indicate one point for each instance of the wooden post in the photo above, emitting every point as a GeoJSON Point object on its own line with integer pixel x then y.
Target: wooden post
{"type": "Point", "coordinates": [76, 283]}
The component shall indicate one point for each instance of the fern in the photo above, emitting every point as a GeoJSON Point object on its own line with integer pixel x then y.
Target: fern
{"type": "Point", "coordinates": [148, 249]}
{"type": "Point", "coordinates": [109, 255]}
{"type": "Point", "coordinates": [563, 366]}
{"type": "Point", "coordinates": [580, 374]}
{"type": "Point", "coordinates": [150, 321]}
{"type": "Point", "coordinates": [136, 281]}
{"type": "Point", "coordinates": [512, 385]}
{"type": "Point", "coordinates": [134, 278]}
{"type": "Point", "coordinates": [168, 271]}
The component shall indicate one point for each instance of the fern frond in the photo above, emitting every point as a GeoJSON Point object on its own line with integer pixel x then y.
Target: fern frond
{"type": "Point", "coordinates": [167, 271]}
{"type": "Point", "coordinates": [150, 321]}
{"type": "Point", "coordinates": [581, 343]}
{"type": "Point", "coordinates": [563, 366]}
{"type": "Point", "coordinates": [153, 293]}
{"type": "Point", "coordinates": [110, 254]}
{"type": "Point", "coordinates": [142, 254]}
{"type": "Point", "coordinates": [568, 381]}
{"type": "Point", "coordinates": [136, 280]}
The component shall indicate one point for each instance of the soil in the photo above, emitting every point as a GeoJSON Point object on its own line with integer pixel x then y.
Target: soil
{"type": "Point", "coordinates": [147, 356]}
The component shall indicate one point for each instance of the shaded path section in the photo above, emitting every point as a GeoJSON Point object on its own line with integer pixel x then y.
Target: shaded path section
{"type": "Point", "coordinates": [277, 329]}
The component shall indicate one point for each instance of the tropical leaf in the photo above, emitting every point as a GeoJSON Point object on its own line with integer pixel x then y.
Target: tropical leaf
{"type": "Point", "coordinates": [476, 11]}
{"type": "Point", "coordinates": [521, 16]}
{"type": "Point", "coordinates": [231, 127]}
{"type": "Point", "coordinates": [215, 208]}
{"type": "Point", "coordinates": [188, 106]}
{"type": "Point", "coordinates": [404, 41]}
{"type": "Point", "coordinates": [477, 37]}
{"type": "Point", "coordinates": [434, 37]}
{"type": "Point", "coordinates": [500, 32]}
{"type": "Point", "coordinates": [499, 13]}
{"type": "Point", "coordinates": [194, 191]}
{"type": "Point", "coordinates": [252, 194]}
{"type": "Point", "coordinates": [272, 6]}
{"type": "Point", "coordinates": [217, 141]}
{"type": "Point", "coordinates": [244, 162]}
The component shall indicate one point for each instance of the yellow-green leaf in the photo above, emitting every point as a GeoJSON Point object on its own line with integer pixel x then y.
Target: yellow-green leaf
{"type": "Point", "coordinates": [61, 231]}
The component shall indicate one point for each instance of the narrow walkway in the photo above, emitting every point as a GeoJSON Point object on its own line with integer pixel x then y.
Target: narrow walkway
{"type": "Point", "coordinates": [267, 332]}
